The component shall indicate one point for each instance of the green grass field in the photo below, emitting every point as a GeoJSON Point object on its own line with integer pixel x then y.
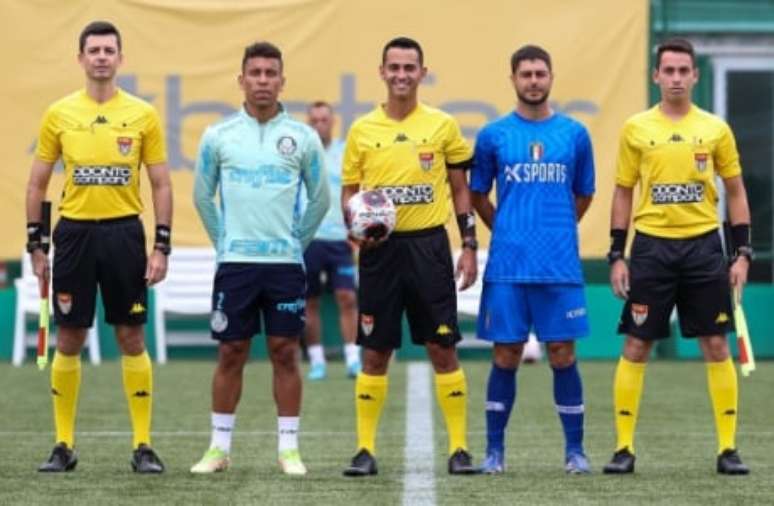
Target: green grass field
{"type": "Point", "coordinates": [675, 443]}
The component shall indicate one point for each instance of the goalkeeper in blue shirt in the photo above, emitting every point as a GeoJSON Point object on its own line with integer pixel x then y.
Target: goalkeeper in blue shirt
{"type": "Point", "coordinates": [543, 164]}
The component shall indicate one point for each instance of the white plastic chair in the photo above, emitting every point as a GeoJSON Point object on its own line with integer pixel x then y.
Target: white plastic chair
{"type": "Point", "coordinates": [187, 290]}
{"type": "Point", "coordinates": [28, 303]}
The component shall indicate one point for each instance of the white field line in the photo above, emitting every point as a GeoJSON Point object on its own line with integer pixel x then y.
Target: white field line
{"type": "Point", "coordinates": [419, 456]}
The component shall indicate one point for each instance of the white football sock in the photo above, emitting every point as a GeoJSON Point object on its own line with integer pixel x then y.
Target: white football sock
{"type": "Point", "coordinates": [222, 428]}
{"type": "Point", "coordinates": [316, 354]}
{"type": "Point", "coordinates": [287, 433]}
{"type": "Point", "coordinates": [352, 353]}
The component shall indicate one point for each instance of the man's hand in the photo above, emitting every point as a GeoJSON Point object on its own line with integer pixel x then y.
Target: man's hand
{"type": "Point", "coordinates": [40, 266]}
{"type": "Point", "coordinates": [157, 268]}
{"type": "Point", "coordinates": [467, 267]}
{"type": "Point", "coordinates": [619, 279]}
{"type": "Point", "coordinates": [737, 275]}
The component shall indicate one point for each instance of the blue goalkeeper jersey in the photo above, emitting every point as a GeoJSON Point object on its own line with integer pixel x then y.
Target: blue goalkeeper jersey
{"type": "Point", "coordinates": [332, 227]}
{"type": "Point", "coordinates": [258, 171]}
{"type": "Point", "coordinates": [539, 166]}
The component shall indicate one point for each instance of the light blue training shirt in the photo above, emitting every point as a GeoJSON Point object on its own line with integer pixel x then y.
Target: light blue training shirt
{"type": "Point", "coordinates": [258, 171]}
{"type": "Point", "coordinates": [332, 227]}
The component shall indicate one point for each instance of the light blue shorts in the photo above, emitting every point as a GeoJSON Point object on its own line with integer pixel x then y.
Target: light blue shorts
{"type": "Point", "coordinates": [557, 312]}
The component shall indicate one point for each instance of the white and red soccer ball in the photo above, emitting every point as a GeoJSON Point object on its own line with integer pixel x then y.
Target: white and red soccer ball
{"type": "Point", "coordinates": [370, 214]}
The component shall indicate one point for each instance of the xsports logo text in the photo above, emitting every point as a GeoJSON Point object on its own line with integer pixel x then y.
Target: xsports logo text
{"type": "Point", "coordinates": [677, 193]}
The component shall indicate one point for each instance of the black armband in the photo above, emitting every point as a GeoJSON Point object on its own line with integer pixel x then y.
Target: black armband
{"type": "Point", "coordinates": [34, 236]}
{"type": "Point", "coordinates": [467, 224]}
{"type": "Point", "coordinates": [163, 240]}
{"type": "Point", "coordinates": [617, 245]}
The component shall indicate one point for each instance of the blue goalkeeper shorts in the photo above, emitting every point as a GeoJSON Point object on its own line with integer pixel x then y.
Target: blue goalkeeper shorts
{"type": "Point", "coordinates": [556, 312]}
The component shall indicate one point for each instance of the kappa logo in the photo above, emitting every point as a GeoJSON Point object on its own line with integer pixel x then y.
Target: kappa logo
{"type": "Point", "coordinates": [367, 323]}
{"type": "Point", "coordinates": [137, 308]}
{"type": "Point", "coordinates": [701, 161]}
{"type": "Point", "coordinates": [65, 302]}
{"type": "Point", "coordinates": [536, 151]}
{"type": "Point", "coordinates": [639, 313]}
{"type": "Point", "coordinates": [722, 317]}
{"type": "Point", "coordinates": [365, 397]}
{"type": "Point", "coordinates": [286, 145]}
{"type": "Point", "coordinates": [456, 393]}
{"type": "Point", "coordinates": [141, 393]}
{"type": "Point", "coordinates": [426, 160]}
{"type": "Point", "coordinates": [443, 330]}
{"type": "Point", "coordinates": [124, 145]}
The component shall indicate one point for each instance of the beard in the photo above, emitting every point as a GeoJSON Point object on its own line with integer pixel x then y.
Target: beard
{"type": "Point", "coordinates": [532, 101]}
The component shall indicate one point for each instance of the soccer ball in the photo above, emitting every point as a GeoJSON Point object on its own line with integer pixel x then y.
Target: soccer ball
{"type": "Point", "coordinates": [371, 215]}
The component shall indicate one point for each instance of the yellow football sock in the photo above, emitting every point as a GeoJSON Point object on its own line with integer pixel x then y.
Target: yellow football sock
{"type": "Point", "coordinates": [723, 388]}
{"type": "Point", "coordinates": [627, 391]}
{"type": "Point", "coordinates": [452, 393]}
{"type": "Point", "coordinates": [65, 384]}
{"type": "Point", "coordinates": [138, 387]}
{"type": "Point", "coordinates": [370, 394]}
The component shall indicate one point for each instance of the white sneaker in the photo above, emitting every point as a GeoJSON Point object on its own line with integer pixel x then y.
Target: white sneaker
{"type": "Point", "coordinates": [215, 460]}
{"type": "Point", "coordinates": [290, 462]}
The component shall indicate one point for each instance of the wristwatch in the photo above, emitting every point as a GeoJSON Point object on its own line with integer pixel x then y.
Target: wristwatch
{"type": "Point", "coordinates": [470, 243]}
{"type": "Point", "coordinates": [166, 249]}
{"type": "Point", "coordinates": [614, 256]}
{"type": "Point", "coordinates": [745, 251]}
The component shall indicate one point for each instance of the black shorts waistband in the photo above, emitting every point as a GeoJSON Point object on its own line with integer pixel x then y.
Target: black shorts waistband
{"type": "Point", "coordinates": [714, 231]}
{"type": "Point", "coordinates": [419, 233]}
{"type": "Point", "coordinates": [105, 221]}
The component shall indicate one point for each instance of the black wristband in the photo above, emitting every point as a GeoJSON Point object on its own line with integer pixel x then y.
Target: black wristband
{"type": "Point", "coordinates": [618, 239]}
{"type": "Point", "coordinates": [163, 241]}
{"type": "Point", "coordinates": [740, 235]}
{"type": "Point", "coordinates": [467, 224]}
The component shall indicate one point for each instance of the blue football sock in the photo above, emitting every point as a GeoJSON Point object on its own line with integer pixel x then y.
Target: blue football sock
{"type": "Point", "coordinates": [568, 396]}
{"type": "Point", "coordinates": [500, 396]}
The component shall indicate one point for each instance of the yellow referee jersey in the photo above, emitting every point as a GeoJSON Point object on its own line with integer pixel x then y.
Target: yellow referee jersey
{"type": "Point", "coordinates": [675, 163]}
{"type": "Point", "coordinates": [408, 160]}
{"type": "Point", "coordinates": [102, 147]}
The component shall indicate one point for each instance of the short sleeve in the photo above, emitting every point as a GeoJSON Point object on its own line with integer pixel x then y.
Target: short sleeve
{"type": "Point", "coordinates": [154, 148]}
{"type": "Point", "coordinates": [352, 161]}
{"type": "Point", "coordinates": [456, 149]}
{"type": "Point", "coordinates": [484, 168]}
{"type": "Point", "coordinates": [726, 155]}
{"type": "Point", "coordinates": [627, 171]}
{"type": "Point", "coordinates": [48, 147]}
{"type": "Point", "coordinates": [583, 184]}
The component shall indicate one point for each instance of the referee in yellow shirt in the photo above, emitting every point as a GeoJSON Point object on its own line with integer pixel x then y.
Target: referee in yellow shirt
{"type": "Point", "coordinates": [674, 151]}
{"type": "Point", "coordinates": [414, 154]}
{"type": "Point", "coordinates": [102, 135]}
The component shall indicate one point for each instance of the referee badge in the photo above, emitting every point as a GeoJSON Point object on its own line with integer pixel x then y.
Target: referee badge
{"type": "Point", "coordinates": [536, 150]}
{"type": "Point", "coordinates": [367, 323]}
{"type": "Point", "coordinates": [701, 161]}
{"type": "Point", "coordinates": [124, 145]}
{"type": "Point", "coordinates": [639, 313]}
{"type": "Point", "coordinates": [426, 160]}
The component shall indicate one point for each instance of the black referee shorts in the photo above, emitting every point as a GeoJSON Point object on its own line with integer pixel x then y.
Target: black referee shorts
{"type": "Point", "coordinates": [411, 271]}
{"type": "Point", "coordinates": [106, 253]}
{"type": "Point", "coordinates": [691, 273]}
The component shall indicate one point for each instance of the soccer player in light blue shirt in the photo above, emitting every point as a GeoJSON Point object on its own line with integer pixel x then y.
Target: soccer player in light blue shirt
{"type": "Point", "coordinates": [330, 255]}
{"type": "Point", "coordinates": [258, 161]}
{"type": "Point", "coordinates": [543, 164]}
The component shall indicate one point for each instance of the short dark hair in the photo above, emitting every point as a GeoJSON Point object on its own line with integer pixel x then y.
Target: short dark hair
{"type": "Point", "coordinates": [529, 52]}
{"type": "Point", "coordinates": [675, 45]}
{"type": "Point", "coordinates": [319, 103]}
{"type": "Point", "coordinates": [262, 50]}
{"type": "Point", "coordinates": [98, 28]}
{"type": "Point", "coordinates": [403, 43]}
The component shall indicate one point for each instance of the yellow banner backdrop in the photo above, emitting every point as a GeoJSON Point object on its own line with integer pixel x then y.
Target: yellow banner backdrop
{"type": "Point", "coordinates": [184, 57]}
